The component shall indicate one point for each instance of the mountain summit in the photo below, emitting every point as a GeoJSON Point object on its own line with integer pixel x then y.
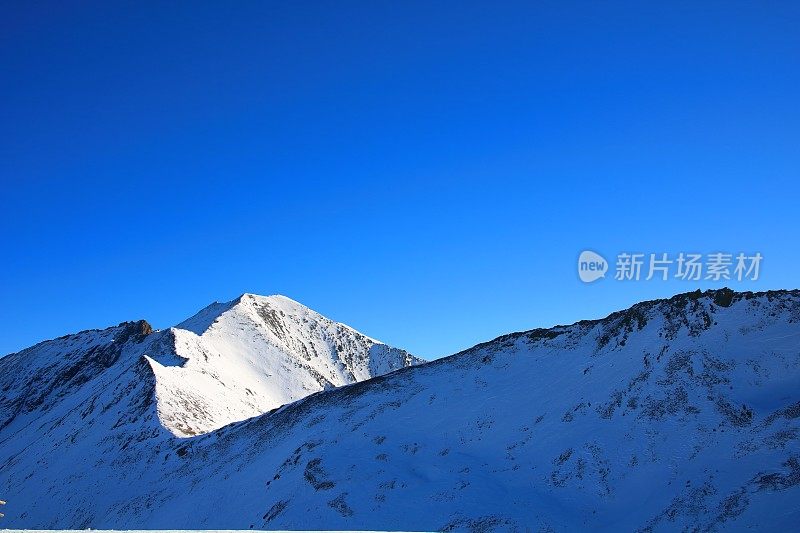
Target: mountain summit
{"type": "Point", "coordinates": [228, 362]}
{"type": "Point", "coordinates": [239, 359]}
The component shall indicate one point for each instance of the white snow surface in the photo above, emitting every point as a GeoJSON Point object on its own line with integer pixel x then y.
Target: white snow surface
{"type": "Point", "coordinates": [679, 414]}
{"type": "Point", "coordinates": [233, 361]}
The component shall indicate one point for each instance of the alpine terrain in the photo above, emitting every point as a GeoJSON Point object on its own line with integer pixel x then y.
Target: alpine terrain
{"type": "Point", "coordinates": [229, 362]}
{"type": "Point", "coordinates": [677, 414]}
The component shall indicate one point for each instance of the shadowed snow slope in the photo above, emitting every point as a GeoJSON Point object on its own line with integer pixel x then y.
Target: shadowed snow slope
{"type": "Point", "coordinates": [674, 414]}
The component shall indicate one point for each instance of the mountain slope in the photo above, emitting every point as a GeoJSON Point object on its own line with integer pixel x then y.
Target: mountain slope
{"type": "Point", "coordinates": [233, 361]}
{"type": "Point", "coordinates": [674, 414]}
{"type": "Point", "coordinates": [229, 362]}
{"type": "Point", "coordinates": [89, 409]}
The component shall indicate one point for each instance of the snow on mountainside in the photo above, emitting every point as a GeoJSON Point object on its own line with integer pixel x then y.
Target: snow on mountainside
{"type": "Point", "coordinates": [229, 362]}
{"type": "Point", "coordinates": [254, 354]}
{"type": "Point", "coordinates": [674, 414]}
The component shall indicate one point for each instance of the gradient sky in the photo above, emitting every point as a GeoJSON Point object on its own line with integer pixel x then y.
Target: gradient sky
{"type": "Point", "coordinates": [427, 172]}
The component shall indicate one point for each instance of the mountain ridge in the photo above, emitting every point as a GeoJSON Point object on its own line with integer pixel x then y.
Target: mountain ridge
{"type": "Point", "coordinates": [679, 413]}
{"type": "Point", "coordinates": [723, 297]}
{"type": "Point", "coordinates": [252, 355]}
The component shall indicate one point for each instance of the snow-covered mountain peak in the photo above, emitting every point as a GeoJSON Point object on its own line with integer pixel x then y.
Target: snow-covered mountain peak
{"type": "Point", "coordinates": [228, 362]}
{"type": "Point", "coordinates": [276, 299]}
{"type": "Point", "coordinates": [261, 309]}
{"type": "Point", "coordinates": [242, 358]}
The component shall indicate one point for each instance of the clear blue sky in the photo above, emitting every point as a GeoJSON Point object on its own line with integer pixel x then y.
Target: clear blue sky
{"type": "Point", "coordinates": [427, 172]}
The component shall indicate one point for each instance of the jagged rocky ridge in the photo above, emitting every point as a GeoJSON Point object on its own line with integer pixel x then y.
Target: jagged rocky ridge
{"type": "Point", "coordinates": [674, 414]}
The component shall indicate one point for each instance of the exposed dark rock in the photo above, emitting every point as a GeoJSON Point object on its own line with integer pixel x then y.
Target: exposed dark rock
{"type": "Point", "coordinates": [724, 297]}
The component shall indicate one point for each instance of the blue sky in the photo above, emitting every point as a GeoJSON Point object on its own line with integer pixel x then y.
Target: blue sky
{"type": "Point", "coordinates": [425, 172]}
